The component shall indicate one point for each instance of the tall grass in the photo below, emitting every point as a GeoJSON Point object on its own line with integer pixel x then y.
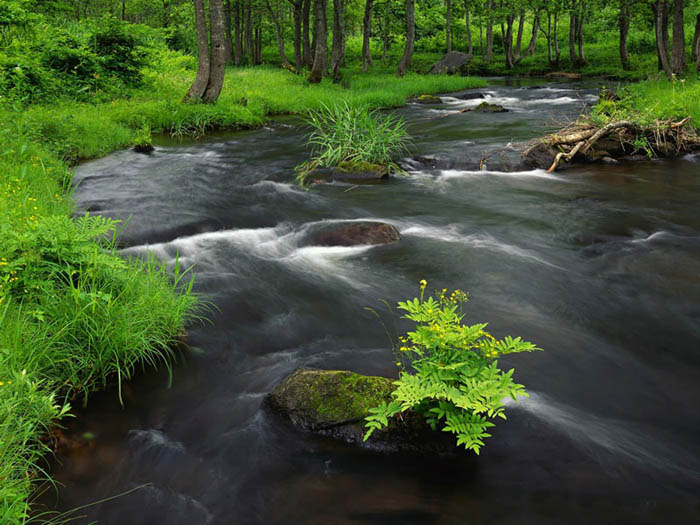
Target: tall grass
{"type": "Point", "coordinates": [353, 135]}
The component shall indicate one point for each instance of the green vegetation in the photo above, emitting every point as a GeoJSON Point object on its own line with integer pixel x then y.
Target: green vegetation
{"type": "Point", "coordinates": [449, 371]}
{"type": "Point", "coordinates": [353, 137]}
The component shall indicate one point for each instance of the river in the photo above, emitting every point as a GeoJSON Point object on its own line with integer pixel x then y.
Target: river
{"type": "Point", "coordinates": [598, 265]}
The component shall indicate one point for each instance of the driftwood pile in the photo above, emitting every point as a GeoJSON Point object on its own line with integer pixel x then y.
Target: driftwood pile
{"type": "Point", "coordinates": [583, 141]}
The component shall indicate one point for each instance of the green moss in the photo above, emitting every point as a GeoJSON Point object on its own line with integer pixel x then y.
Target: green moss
{"type": "Point", "coordinates": [357, 167]}
{"type": "Point", "coordinates": [429, 99]}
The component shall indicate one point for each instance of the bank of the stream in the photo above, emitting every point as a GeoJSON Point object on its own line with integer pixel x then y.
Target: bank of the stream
{"type": "Point", "coordinates": [74, 315]}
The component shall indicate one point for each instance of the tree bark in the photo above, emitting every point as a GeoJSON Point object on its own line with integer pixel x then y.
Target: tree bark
{"type": "Point", "coordinates": [297, 15]}
{"type": "Point", "coordinates": [448, 19]}
{"type": "Point", "coordinates": [489, 32]}
{"type": "Point", "coordinates": [519, 38]}
{"type": "Point", "coordinates": [366, 34]}
{"type": "Point", "coordinates": [696, 39]}
{"type": "Point", "coordinates": [385, 30]}
{"type": "Point", "coordinates": [237, 34]}
{"type": "Point", "coordinates": [405, 61]}
{"type": "Point", "coordinates": [306, 24]}
{"type": "Point", "coordinates": [338, 48]}
{"type": "Point", "coordinates": [530, 51]}
{"type": "Point", "coordinates": [468, 27]}
{"type": "Point", "coordinates": [278, 35]}
{"type": "Point", "coordinates": [624, 24]}
{"type": "Point", "coordinates": [661, 42]}
{"type": "Point", "coordinates": [320, 66]}
{"type": "Point", "coordinates": [678, 58]}
{"type": "Point", "coordinates": [249, 42]}
{"type": "Point", "coordinates": [199, 85]}
{"type": "Point", "coordinates": [217, 70]}
{"type": "Point", "coordinates": [227, 35]}
{"type": "Point", "coordinates": [508, 40]}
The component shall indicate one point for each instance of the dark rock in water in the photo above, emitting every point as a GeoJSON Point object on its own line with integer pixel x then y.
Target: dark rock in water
{"type": "Point", "coordinates": [428, 99]}
{"type": "Point", "coordinates": [360, 172]}
{"type": "Point", "coordinates": [356, 234]}
{"type": "Point", "coordinates": [564, 75]}
{"type": "Point", "coordinates": [485, 107]}
{"type": "Point", "coordinates": [451, 63]}
{"type": "Point", "coordinates": [144, 148]}
{"type": "Point", "coordinates": [539, 156]}
{"type": "Point", "coordinates": [470, 96]}
{"type": "Point", "coordinates": [335, 403]}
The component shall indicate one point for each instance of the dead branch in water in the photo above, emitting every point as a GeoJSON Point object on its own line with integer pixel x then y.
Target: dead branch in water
{"type": "Point", "coordinates": [580, 137]}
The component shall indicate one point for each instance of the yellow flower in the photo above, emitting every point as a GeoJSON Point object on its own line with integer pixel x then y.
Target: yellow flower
{"type": "Point", "coordinates": [423, 283]}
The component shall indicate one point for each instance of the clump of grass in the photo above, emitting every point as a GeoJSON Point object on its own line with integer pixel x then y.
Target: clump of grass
{"type": "Point", "coordinates": [353, 136]}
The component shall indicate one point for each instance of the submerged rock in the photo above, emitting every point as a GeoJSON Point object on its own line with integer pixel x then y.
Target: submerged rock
{"type": "Point", "coordinates": [144, 148]}
{"type": "Point", "coordinates": [360, 172]}
{"type": "Point", "coordinates": [356, 234]}
{"type": "Point", "coordinates": [540, 155]}
{"type": "Point", "coordinates": [428, 99]}
{"type": "Point", "coordinates": [470, 96]}
{"type": "Point", "coordinates": [335, 403]}
{"type": "Point", "coordinates": [451, 63]}
{"type": "Point", "coordinates": [485, 107]}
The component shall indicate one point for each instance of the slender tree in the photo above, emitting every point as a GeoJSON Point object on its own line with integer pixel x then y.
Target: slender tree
{"type": "Point", "coordinates": [623, 19]}
{"type": "Point", "coordinates": [696, 39]}
{"type": "Point", "coordinates": [405, 61]}
{"type": "Point", "coordinates": [366, 34]}
{"type": "Point", "coordinates": [305, 41]}
{"type": "Point", "coordinates": [489, 31]}
{"type": "Point", "coordinates": [448, 19]}
{"type": "Point", "coordinates": [661, 21]}
{"type": "Point", "coordinates": [320, 65]}
{"type": "Point", "coordinates": [278, 35]}
{"type": "Point", "coordinates": [468, 27]}
{"type": "Point", "coordinates": [227, 34]}
{"type": "Point", "coordinates": [338, 47]}
{"type": "Point", "coordinates": [678, 58]}
{"type": "Point", "coordinates": [201, 80]}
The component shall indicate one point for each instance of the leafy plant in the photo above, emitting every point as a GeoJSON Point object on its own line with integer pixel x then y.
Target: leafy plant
{"type": "Point", "coordinates": [353, 135]}
{"type": "Point", "coordinates": [449, 371]}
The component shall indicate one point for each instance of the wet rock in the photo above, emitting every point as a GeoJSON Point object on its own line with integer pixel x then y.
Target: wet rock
{"type": "Point", "coordinates": [360, 172]}
{"type": "Point", "coordinates": [485, 107]}
{"type": "Point", "coordinates": [428, 99]}
{"type": "Point", "coordinates": [470, 96]}
{"type": "Point", "coordinates": [334, 403]}
{"type": "Point", "coordinates": [356, 234]}
{"type": "Point", "coordinates": [144, 148]}
{"type": "Point", "coordinates": [540, 156]}
{"type": "Point", "coordinates": [451, 63]}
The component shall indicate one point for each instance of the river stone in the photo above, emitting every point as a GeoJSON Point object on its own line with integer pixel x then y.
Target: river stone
{"type": "Point", "coordinates": [335, 403]}
{"type": "Point", "coordinates": [356, 234]}
{"type": "Point", "coordinates": [144, 148]}
{"type": "Point", "coordinates": [485, 107]}
{"type": "Point", "coordinates": [451, 63]}
{"type": "Point", "coordinates": [362, 172]}
{"type": "Point", "coordinates": [428, 99]}
{"type": "Point", "coordinates": [470, 96]}
{"type": "Point", "coordinates": [539, 155]}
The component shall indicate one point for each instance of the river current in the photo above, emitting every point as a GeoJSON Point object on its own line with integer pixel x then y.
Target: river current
{"type": "Point", "coordinates": [598, 265]}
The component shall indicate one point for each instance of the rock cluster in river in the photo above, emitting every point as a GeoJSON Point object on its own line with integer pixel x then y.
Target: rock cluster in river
{"type": "Point", "coordinates": [335, 403]}
{"type": "Point", "coordinates": [356, 234]}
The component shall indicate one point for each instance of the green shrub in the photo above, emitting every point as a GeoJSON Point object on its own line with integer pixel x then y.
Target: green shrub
{"type": "Point", "coordinates": [353, 135]}
{"type": "Point", "coordinates": [118, 49]}
{"type": "Point", "coordinates": [449, 371]}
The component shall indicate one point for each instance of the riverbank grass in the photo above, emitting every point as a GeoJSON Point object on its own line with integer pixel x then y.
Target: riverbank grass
{"type": "Point", "coordinates": [74, 315]}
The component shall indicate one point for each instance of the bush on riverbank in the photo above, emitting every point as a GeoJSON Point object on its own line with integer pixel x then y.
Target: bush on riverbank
{"type": "Point", "coordinates": [449, 371]}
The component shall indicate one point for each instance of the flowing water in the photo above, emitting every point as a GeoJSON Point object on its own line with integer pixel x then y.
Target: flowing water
{"type": "Point", "coordinates": [599, 265]}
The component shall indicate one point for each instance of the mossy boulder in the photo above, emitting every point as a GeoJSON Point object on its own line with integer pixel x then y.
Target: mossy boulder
{"type": "Point", "coordinates": [428, 99]}
{"type": "Point", "coordinates": [485, 107]}
{"type": "Point", "coordinates": [360, 171]}
{"type": "Point", "coordinates": [452, 63]}
{"type": "Point", "coordinates": [356, 233]}
{"type": "Point", "coordinates": [335, 403]}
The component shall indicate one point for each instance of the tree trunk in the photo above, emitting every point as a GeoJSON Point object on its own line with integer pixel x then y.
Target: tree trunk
{"type": "Point", "coordinates": [678, 59]}
{"type": "Point", "coordinates": [217, 71]}
{"type": "Point", "coordinates": [237, 36]}
{"type": "Point", "coordinates": [557, 51]}
{"type": "Point", "coordinates": [624, 23]}
{"type": "Point", "coordinates": [199, 85]}
{"type": "Point", "coordinates": [227, 34]}
{"type": "Point", "coordinates": [579, 37]}
{"type": "Point", "coordinates": [306, 24]}
{"type": "Point", "coordinates": [385, 30]}
{"type": "Point", "coordinates": [320, 66]}
{"type": "Point", "coordinates": [468, 27]}
{"type": "Point", "coordinates": [278, 34]}
{"type": "Point", "coordinates": [338, 49]}
{"type": "Point", "coordinates": [489, 32]}
{"type": "Point", "coordinates": [573, 23]}
{"type": "Point", "coordinates": [249, 42]}
{"type": "Point", "coordinates": [298, 57]}
{"type": "Point", "coordinates": [508, 41]}
{"type": "Point", "coordinates": [696, 39]}
{"type": "Point", "coordinates": [448, 17]}
{"type": "Point", "coordinates": [661, 8]}
{"type": "Point", "coordinates": [661, 42]}
{"type": "Point", "coordinates": [405, 61]}
{"type": "Point", "coordinates": [366, 34]}
{"type": "Point", "coordinates": [519, 38]}
{"type": "Point", "coordinates": [530, 51]}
